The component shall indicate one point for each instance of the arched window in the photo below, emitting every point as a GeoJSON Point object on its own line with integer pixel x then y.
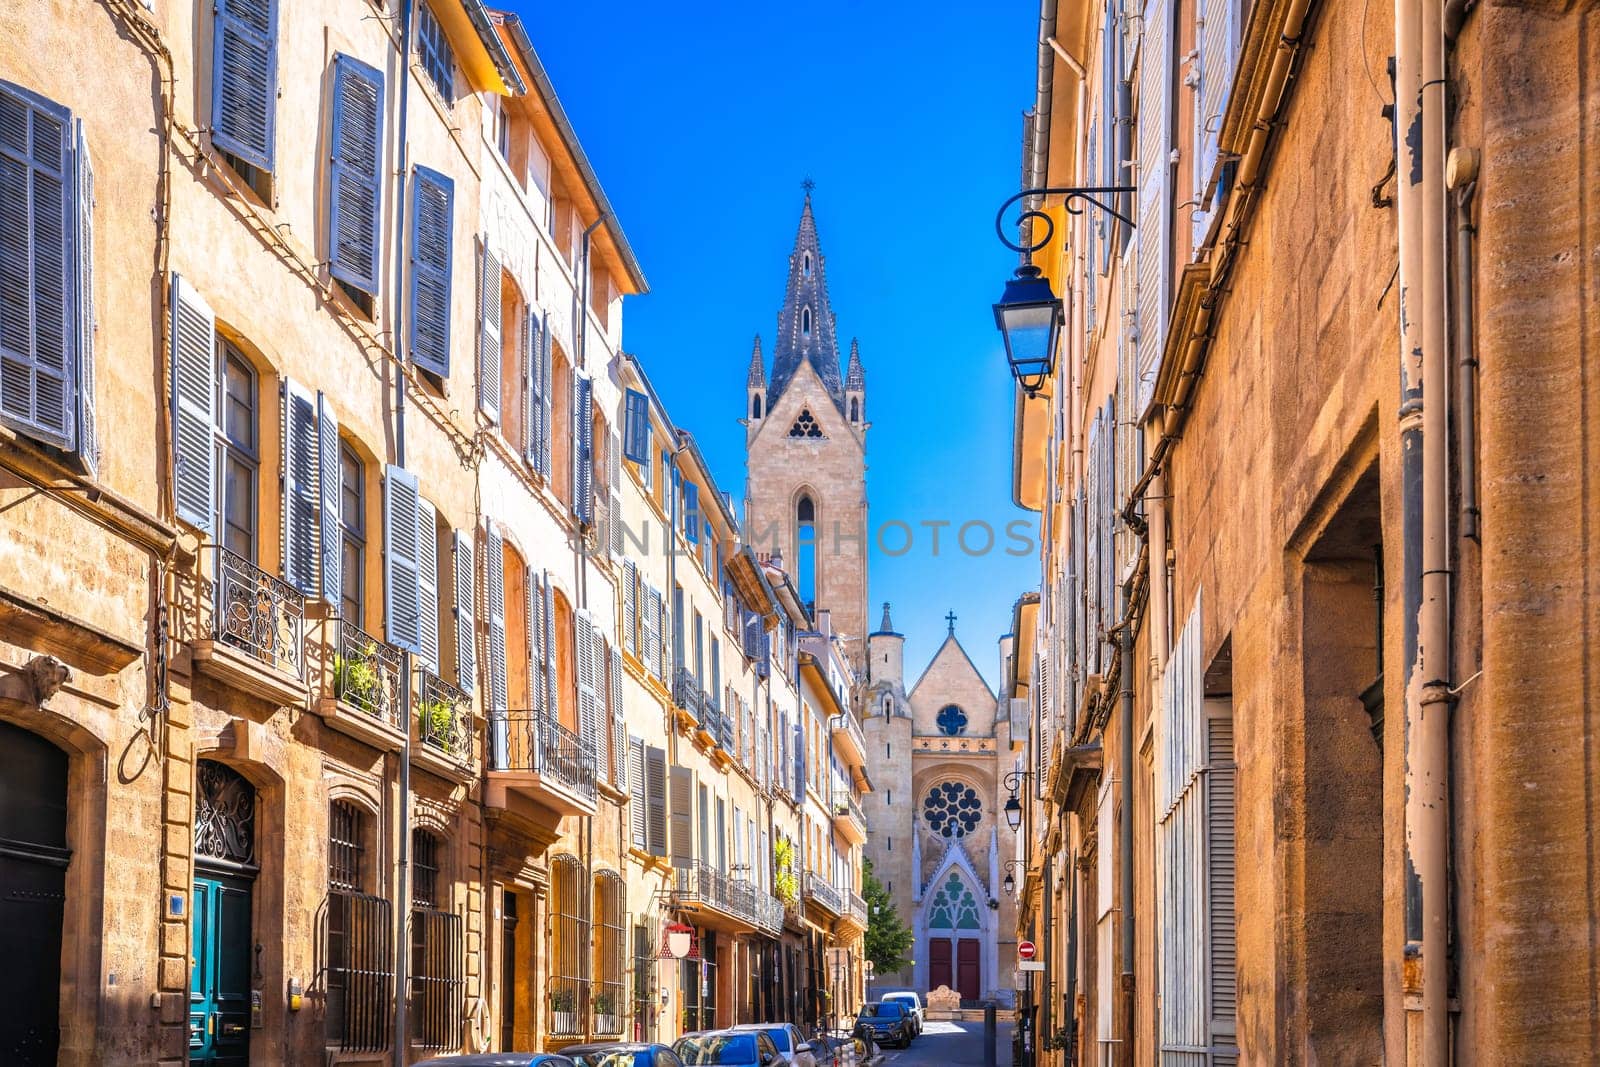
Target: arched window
{"type": "Point", "coordinates": [805, 321]}
{"type": "Point", "coordinates": [952, 721]}
{"type": "Point", "coordinates": [953, 906]}
{"type": "Point", "coordinates": [569, 964]}
{"type": "Point", "coordinates": [952, 809]}
{"type": "Point", "coordinates": [437, 972]}
{"type": "Point", "coordinates": [610, 906]}
{"type": "Point", "coordinates": [755, 406]}
{"type": "Point", "coordinates": [806, 538]}
{"type": "Point", "coordinates": [805, 264]}
{"type": "Point", "coordinates": [855, 410]}
{"type": "Point", "coordinates": [352, 916]}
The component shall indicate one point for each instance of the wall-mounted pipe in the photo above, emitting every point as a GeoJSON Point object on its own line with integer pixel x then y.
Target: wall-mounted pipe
{"type": "Point", "coordinates": [1461, 175]}
{"type": "Point", "coordinates": [1125, 823]}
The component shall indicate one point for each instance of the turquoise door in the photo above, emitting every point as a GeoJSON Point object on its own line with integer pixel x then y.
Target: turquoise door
{"type": "Point", "coordinates": [219, 974]}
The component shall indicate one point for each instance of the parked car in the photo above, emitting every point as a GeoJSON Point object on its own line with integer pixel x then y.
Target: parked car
{"type": "Point", "coordinates": [791, 1043]}
{"type": "Point", "coordinates": [837, 1049]}
{"type": "Point", "coordinates": [888, 1021]}
{"type": "Point", "coordinates": [500, 1059]}
{"type": "Point", "coordinates": [727, 1048]}
{"type": "Point", "coordinates": [622, 1054]}
{"type": "Point", "coordinates": [913, 1002]}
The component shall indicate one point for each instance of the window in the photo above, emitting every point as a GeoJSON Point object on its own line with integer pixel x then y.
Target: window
{"type": "Point", "coordinates": [855, 410]}
{"type": "Point", "coordinates": [345, 848]}
{"type": "Point", "coordinates": [952, 721]}
{"type": "Point", "coordinates": [755, 406]}
{"type": "Point", "coordinates": [952, 810]}
{"type": "Point", "coordinates": [357, 933]}
{"type": "Point", "coordinates": [806, 536]}
{"type": "Point", "coordinates": [433, 50]}
{"type": "Point", "coordinates": [805, 264]}
{"type": "Point", "coordinates": [502, 130]}
{"type": "Point", "coordinates": [610, 948]}
{"type": "Point", "coordinates": [236, 447]}
{"type": "Point", "coordinates": [805, 321]}
{"type": "Point", "coordinates": [805, 425]}
{"type": "Point", "coordinates": [644, 995]}
{"type": "Point", "coordinates": [352, 535]}
{"type": "Point", "coordinates": [244, 86]}
{"type": "Point", "coordinates": [438, 972]}
{"type": "Point", "coordinates": [569, 962]}
{"type": "Point", "coordinates": [953, 906]}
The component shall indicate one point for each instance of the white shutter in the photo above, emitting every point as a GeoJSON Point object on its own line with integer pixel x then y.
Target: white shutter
{"type": "Point", "coordinates": [638, 822]}
{"type": "Point", "coordinates": [630, 606]}
{"type": "Point", "coordinates": [495, 601]}
{"type": "Point", "coordinates": [531, 406]}
{"type": "Point", "coordinates": [1215, 41]}
{"type": "Point", "coordinates": [538, 673]}
{"type": "Point", "coordinates": [1155, 196]}
{"type": "Point", "coordinates": [401, 582]}
{"type": "Point", "coordinates": [301, 459]}
{"type": "Point", "coordinates": [428, 582]}
{"type": "Point", "coordinates": [88, 434]}
{"type": "Point", "coordinates": [619, 724]}
{"type": "Point", "coordinates": [466, 636]}
{"type": "Point", "coordinates": [331, 479]}
{"type": "Point", "coordinates": [681, 811]}
{"type": "Point", "coordinates": [489, 311]}
{"type": "Point", "coordinates": [547, 616]}
{"type": "Point", "coordinates": [1220, 846]}
{"type": "Point", "coordinates": [194, 397]}
{"type": "Point", "coordinates": [614, 481]}
{"type": "Point", "coordinates": [590, 659]}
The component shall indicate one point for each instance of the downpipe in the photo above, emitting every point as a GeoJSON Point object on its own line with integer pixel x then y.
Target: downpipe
{"type": "Point", "coordinates": [1125, 824]}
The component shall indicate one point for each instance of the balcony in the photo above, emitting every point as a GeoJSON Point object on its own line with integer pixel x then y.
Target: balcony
{"type": "Point", "coordinates": [709, 727]}
{"type": "Point", "coordinates": [821, 892]}
{"type": "Point", "coordinates": [253, 632]}
{"type": "Point", "coordinates": [852, 741]}
{"type": "Point", "coordinates": [729, 903]}
{"type": "Point", "coordinates": [442, 730]}
{"type": "Point", "coordinates": [687, 696]}
{"type": "Point", "coordinates": [533, 756]}
{"type": "Point", "coordinates": [364, 682]}
{"type": "Point", "coordinates": [848, 818]}
{"type": "Point", "coordinates": [855, 912]}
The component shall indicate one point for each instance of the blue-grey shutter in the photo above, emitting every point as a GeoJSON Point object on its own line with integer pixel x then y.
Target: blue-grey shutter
{"type": "Point", "coordinates": [37, 342]}
{"type": "Point", "coordinates": [682, 812]}
{"type": "Point", "coordinates": [494, 564]}
{"type": "Point", "coordinates": [636, 427]}
{"type": "Point", "coordinates": [655, 796]}
{"type": "Point", "coordinates": [330, 480]}
{"type": "Point", "coordinates": [547, 396]}
{"type": "Point", "coordinates": [799, 761]}
{"type": "Point", "coordinates": [630, 606]}
{"type": "Point", "coordinates": [402, 590]}
{"type": "Point", "coordinates": [466, 632]}
{"type": "Point", "coordinates": [691, 512]}
{"type": "Point", "coordinates": [432, 214]}
{"type": "Point", "coordinates": [1216, 44]}
{"type": "Point", "coordinates": [488, 332]}
{"type": "Point", "coordinates": [583, 449]}
{"type": "Point", "coordinates": [638, 824]}
{"type": "Point", "coordinates": [532, 405]}
{"type": "Point", "coordinates": [547, 618]}
{"type": "Point", "coordinates": [88, 436]}
{"type": "Point", "coordinates": [428, 582]}
{"type": "Point", "coordinates": [301, 459]}
{"type": "Point", "coordinates": [356, 175]}
{"type": "Point", "coordinates": [538, 669]}
{"type": "Point", "coordinates": [244, 78]}
{"type": "Point", "coordinates": [619, 722]}
{"type": "Point", "coordinates": [194, 397]}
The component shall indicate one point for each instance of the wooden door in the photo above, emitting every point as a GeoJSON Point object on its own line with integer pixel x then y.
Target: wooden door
{"type": "Point", "coordinates": [939, 963]}
{"type": "Point", "coordinates": [33, 881]}
{"type": "Point", "coordinates": [969, 975]}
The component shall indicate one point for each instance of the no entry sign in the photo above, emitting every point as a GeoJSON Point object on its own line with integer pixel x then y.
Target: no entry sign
{"type": "Point", "coordinates": [1025, 950]}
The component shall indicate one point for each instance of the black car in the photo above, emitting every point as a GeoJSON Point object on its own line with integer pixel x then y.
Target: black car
{"type": "Point", "coordinates": [888, 1022]}
{"type": "Point", "coordinates": [622, 1054]}
{"type": "Point", "coordinates": [500, 1059]}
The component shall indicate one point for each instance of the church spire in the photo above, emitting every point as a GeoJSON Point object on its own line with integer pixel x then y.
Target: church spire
{"type": "Point", "coordinates": [757, 378]}
{"type": "Point", "coordinates": [805, 324]}
{"type": "Point", "coordinates": [855, 377]}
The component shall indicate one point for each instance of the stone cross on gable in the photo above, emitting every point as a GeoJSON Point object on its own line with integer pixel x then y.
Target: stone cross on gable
{"type": "Point", "coordinates": [951, 619]}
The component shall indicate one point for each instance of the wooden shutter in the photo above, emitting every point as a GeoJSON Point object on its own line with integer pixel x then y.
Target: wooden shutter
{"type": "Point", "coordinates": [356, 177]}
{"type": "Point", "coordinates": [194, 397]}
{"type": "Point", "coordinates": [1155, 198]}
{"type": "Point", "coordinates": [244, 78]}
{"type": "Point", "coordinates": [88, 435]}
{"type": "Point", "coordinates": [428, 582]}
{"type": "Point", "coordinates": [582, 449]}
{"type": "Point", "coordinates": [532, 406]}
{"type": "Point", "coordinates": [547, 616]}
{"type": "Point", "coordinates": [1220, 876]}
{"type": "Point", "coordinates": [302, 456]}
{"type": "Point", "coordinates": [636, 427]}
{"type": "Point", "coordinates": [655, 765]}
{"type": "Point", "coordinates": [432, 214]}
{"type": "Point", "coordinates": [546, 394]}
{"type": "Point", "coordinates": [538, 672]}
{"type": "Point", "coordinates": [489, 311]}
{"type": "Point", "coordinates": [402, 588]}
{"type": "Point", "coordinates": [494, 568]}
{"type": "Point", "coordinates": [591, 657]}
{"type": "Point", "coordinates": [466, 636]}
{"type": "Point", "coordinates": [619, 724]}
{"type": "Point", "coordinates": [638, 820]}
{"type": "Point", "coordinates": [36, 224]}
{"type": "Point", "coordinates": [682, 815]}
{"type": "Point", "coordinates": [630, 606]}
{"type": "Point", "coordinates": [330, 484]}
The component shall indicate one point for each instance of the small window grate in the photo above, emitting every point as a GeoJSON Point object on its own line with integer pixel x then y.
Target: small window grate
{"type": "Point", "coordinates": [344, 846]}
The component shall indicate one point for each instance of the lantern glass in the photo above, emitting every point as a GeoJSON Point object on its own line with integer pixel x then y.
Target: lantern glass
{"type": "Point", "coordinates": [1010, 884]}
{"type": "Point", "coordinates": [1029, 318]}
{"type": "Point", "coordinates": [1013, 812]}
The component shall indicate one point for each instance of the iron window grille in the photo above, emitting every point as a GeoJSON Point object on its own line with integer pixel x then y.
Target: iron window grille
{"type": "Point", "coordinates": [438, 978]}
{"type": "Point", "coordinates": [610, 953]}
{"type": "Point", "coordinates": [345, 848]}
{"type": "Point", "coordinates": [644, 992]}
{"type": "Point", "coordinates": [569, 964]}
{"type": "Point", "coordinates": [357, 946]}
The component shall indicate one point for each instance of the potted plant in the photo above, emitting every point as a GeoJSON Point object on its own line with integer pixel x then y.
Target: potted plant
{"type": "Point", "coordinates": [605, 1014]}
{"type": "Point", "coordinates": [355, 679]}
{"type": "Point", "coordinates": [436, 718]}
{"type": "Point", "coordinates": [564, 1006]}
{"type": "Point", "coordinates": [785, 886]}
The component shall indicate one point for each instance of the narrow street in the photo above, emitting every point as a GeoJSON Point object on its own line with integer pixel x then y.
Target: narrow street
{"type": "Point", "coordinates": [950, 1044]}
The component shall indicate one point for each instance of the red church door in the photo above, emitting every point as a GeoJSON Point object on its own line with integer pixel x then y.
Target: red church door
{"type": "Point", "coordinates": [968, 975]}
{"type": "Point", "coordinates": [938, 963]}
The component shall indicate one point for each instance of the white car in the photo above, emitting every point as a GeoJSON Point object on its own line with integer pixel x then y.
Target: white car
{"type": "Point", "coordinates": [913, 1003]}
{"type": "Point", "coordinates": [793, 1048]}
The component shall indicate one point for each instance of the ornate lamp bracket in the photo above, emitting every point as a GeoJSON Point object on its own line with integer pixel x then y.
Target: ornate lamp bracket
{"type": "Point", "coordinates": [1076, 196]}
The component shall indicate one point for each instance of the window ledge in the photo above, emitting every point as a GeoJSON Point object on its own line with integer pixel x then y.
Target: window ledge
{"type": "Point", "coordinates": [442, 763]}
{"type": "Point", "coordinates": [241, 670]}
{"type": "Point", "coordinates": [610, 792]}
{"type": "Point", "coordinates": [349, 720]}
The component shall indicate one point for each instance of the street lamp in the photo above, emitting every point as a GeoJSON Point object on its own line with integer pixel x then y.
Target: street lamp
{"type": "Point", "coordinates": [1013, 808]}
{"type": "Point", "coordinates": [1010, 882]}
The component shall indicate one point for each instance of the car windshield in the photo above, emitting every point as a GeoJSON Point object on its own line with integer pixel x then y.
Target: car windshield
{"type": "Point", "coordinates": [716, 1049]}
{"type": "Point", "coordinates": [882, 1011]}
{"type": "Point", "coordinates": [908, 999]}
{"type": "Point", "coordinates": [780, 1037]}
{"type": "Point", "coordinates": [611, 1058]}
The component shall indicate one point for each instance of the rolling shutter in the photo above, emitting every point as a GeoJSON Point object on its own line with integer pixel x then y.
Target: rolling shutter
{"type": "Point", "coordinates": [194, 397]}
{"type": "Point", "coordinates": [655, 769]}
{"type": "Point", "coordinates": [244, 78]}
{"type": "Point", "coordinates": [88, 436]}
{"type": "Point", "coordinates": [682, 816]}
{"type": "Point", "coordinates": [466, 637]}
{"type": "Point", "coordinates": [356, 177]}
{"type": "Point", "coordinates": [402, 509]}
{"type": "Point", "coordinates": [432, 211]}
{"type": "Point", "coordinates": [428, 582]}
{"type": "Point", "coordinates": [488, 332]}
{"type": "Point", "coordinates": [1155, 197]}
{"type": "Point", "coordinates": [301, 459]}
{"type": "Point", "coordinates": [583, 449]}
{"type": "Point", "coordinates": [638, 820]}
{"type": "Point", "coordinates": [329, 491]}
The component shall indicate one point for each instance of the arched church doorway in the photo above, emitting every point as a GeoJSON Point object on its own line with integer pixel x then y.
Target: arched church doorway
{"type": "Point", "coordinates": [33, 880]}
{"type": "Point", "coordinates": [955, 937]}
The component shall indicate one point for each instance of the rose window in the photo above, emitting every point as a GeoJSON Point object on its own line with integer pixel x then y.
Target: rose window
{"type": "Point", "coordinates": [952, 809]}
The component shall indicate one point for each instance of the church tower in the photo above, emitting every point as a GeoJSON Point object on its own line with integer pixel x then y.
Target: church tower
{"type": "Point", "coordinates": [805, 449]}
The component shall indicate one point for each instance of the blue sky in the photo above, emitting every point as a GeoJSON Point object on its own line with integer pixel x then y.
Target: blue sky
{"type": "Point", "coordinates": [701, 127]}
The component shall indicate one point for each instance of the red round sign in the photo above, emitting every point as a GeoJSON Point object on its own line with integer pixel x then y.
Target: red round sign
{"type": "Point", "coordinates": [1025, 950]}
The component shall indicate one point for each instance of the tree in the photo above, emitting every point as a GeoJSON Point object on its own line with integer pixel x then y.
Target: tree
{"type": "Point", "coordinates": [887, 937]}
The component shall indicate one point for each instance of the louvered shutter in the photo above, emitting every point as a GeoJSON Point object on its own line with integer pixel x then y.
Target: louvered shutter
{"type": "Point", "coordinates": [88, 435]}
{"type": "Point", "coordinates": [1216, 44]}
{"type": "Point", "coordinates": [799, 760]}
{"type": "Point", "coordinates": [1108, 512]}
{"type": "Point", "coordinates": [301, 459]}
{"type": "Point", "coordinates": [638, 817]}
{"type": "Point", "coordinates": [614, 481]}
{"type": "Point", "coordinates": [630, 606]}
{"type": "Point", "coordinates": [466, 635]}
{"type": "Point", "coordinates": [356, 177]}
{"type": "Point", "coordinates": [1220, 875]}
{"type": "Point", "coordinates": [432, 214]}
{"type": "Point", "coordinates": [330, 479]}
{"type": "Point", "coordinates": [636, 427]}
{"type": "Point", "coordinates": [682, 815]}
{"type": "Point", "coordinates": [591, 669]}
{"type": "Point", "coordinates": [494, 693]}
{"type": "Point", "coordinates": [538, 672]}
{"type": "Point", "coordinates": [428, 582]}
{"type": "Point", "coordinates": [36, 268]}
{"type": "Point", "coordinates": [1092, 548]}
{"type": "Point", "coordinates": [691, 512]}
{"type": "Point", "coordinates": [582, 449]}
{"type": "Point", "coordinates": [652, 631]}
{"type": "Point", "coordinates": [662, 623]}
{"type": "Point", "coordinates": [532, 406]}
{"type": "Point", "coordinates": [547, 617]}
{"type": "Point", "coordinates": [546, 394]}
{"type": "Point", "coordinates": [489, 311]}
{"type": "Point", "coordinates": [655, 767]}
{"type": "Point", "coordinates": [619, 723]}
{"type": "Point", "coordinates": [244, 78]}
{"type": "Point", "coordinates": [194, 397]}
{"type": "Point", "coordinates": [1155, 197]}
{"type": "Point", "coordinates": [402, 508]}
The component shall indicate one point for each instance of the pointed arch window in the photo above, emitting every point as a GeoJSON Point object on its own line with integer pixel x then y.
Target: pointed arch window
{"type": "Point", "coordinates": [805, 264]}
{"type": "Point", "coordinates": [805, 321]}
{"type": "Point", "coordinates": [806, 542]}
{"type": "Point", "coordinates": [855, 410]}
{"type": "Point", "coordinates": [954, 907]}
{"type": "Point", "coordinates": [755, 406]}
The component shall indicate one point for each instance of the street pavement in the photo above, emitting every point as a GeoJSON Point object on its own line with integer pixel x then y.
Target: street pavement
{"type": "Point", "coordinates": [950, 1044]}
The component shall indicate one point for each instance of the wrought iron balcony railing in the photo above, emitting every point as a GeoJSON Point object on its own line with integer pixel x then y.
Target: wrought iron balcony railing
{"type": "Point", "coordinates": [686, 692]}
{"type": "Point", "coordinates": [444, 717]}
{"type": "Point", "coordinates": [850, 726]}
{"type": "Point", "coordinates": [845, 804]}
{"type": "Point", "coordinates": [536, 741]}
{"type": "Point", "coordinates": [261, 615]}
{"type": "Point", "coordinates": [823, 892]}
{"type": "Point", "coordinates": [366, 674]}
{"type": "Point", "coordinates": [855, 907]}
{"type": "Point", "coordinates": [734, 896]}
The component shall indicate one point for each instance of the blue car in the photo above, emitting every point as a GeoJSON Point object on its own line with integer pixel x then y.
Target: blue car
{"type": "Point", "coordinates": [500, 1059]}
{"type": "Point", "coordinates": [887, 1022]}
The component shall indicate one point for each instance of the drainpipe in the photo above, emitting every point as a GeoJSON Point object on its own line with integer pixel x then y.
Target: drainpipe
{"type": "Point", "coordinates": [583, 361]}
{"type": "Point", "coordinates": [1124, 172]}
{"type": "Point", "coordinates": [1156, 508]}
{"type": "Point", "coordinates": [1461, 174]}
{"type": "Point", "coordinates": [1125, 824]}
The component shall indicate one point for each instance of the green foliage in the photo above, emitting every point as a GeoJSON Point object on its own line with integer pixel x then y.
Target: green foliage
{"type": "Point", "coordinates": [356, 678]}
{"type": "Point", "coordinates": [437, 717]}
{"type": "Point", "coordinates": [564, 1000]}
{"type": "Point", "coordinates": [785, 884]}
{"type": "Point", "coordinates": [888, 938]}
{"type": "Point", "coordinates": [602, 1003]}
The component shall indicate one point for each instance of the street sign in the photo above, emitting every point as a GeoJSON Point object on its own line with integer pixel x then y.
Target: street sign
{"type": "Point", "coordinates": [1030, 965]}
{"type": "Point", "coordinates": [1025, 950]}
